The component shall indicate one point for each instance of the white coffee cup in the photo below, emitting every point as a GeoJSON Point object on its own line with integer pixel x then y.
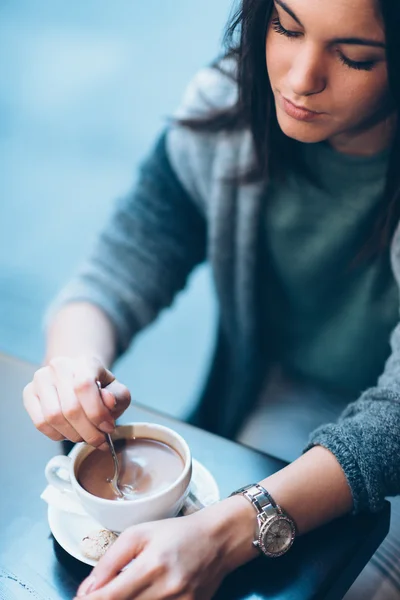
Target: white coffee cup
{"type": "Point", "coordinates": [118, 515]}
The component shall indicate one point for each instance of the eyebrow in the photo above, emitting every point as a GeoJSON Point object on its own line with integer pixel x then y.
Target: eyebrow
{"type": "Point", "coordinates": [356, 41]}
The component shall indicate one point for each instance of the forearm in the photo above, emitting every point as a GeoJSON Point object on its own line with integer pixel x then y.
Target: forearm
{"type": "Point", "coordinates": [79, 329]}
{"type": "Point", "coordinates": [313, 490]}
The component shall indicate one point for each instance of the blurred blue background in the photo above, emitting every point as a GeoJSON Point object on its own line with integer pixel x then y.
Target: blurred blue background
{"type": "Point", "coordinates": [85, 89]}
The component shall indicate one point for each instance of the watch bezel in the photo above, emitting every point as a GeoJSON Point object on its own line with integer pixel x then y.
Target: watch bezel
{"type": "Point", "coordinates": [264, 527]}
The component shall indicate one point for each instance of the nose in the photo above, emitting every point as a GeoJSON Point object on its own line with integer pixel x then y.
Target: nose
{"type": "Point", "coordinates": [307, 75]}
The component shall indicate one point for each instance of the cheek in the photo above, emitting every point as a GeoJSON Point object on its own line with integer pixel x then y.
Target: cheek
{"type": "Point", "coordinates": [278, 59]}
{"type": "Point", "coordinates": [361, 94]}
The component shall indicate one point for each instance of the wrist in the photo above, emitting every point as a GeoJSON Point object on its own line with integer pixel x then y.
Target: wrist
{"type": "Point", "coordinates": [233, 526]}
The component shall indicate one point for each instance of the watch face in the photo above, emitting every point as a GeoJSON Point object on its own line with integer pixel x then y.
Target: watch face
{"type": "Point", "coordinates": [276, 536]}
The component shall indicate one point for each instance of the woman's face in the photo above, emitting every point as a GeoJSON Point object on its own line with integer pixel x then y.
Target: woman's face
{"type": "Point", "coordinates": [329, 58]}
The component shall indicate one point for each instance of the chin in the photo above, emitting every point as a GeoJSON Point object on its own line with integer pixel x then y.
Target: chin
{"type": "Point", "coordinates": [308, 133]}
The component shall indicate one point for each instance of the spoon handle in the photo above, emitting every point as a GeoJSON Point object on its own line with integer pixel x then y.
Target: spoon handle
{"type": "Point", "coordinates": [114, 480]}
{"type": "Point", "coordinates": [112, 450]}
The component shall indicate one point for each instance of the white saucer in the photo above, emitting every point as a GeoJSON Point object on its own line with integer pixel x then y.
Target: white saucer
{"type": "Point", "coordinates": [69, 528]}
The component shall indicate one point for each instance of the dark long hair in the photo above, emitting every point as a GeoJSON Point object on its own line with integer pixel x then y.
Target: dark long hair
{"type": "Point", "coordinates": [255, 108]}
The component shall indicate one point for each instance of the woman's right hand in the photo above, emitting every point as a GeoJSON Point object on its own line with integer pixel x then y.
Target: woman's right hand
{"type": "Point", "coordinates": [64, 400]}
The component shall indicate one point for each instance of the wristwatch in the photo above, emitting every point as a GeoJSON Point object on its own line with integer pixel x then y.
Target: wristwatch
{"type": "Point", "coordinates": [276, 530]}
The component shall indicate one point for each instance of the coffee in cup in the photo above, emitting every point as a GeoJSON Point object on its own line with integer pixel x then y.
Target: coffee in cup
{"type": "Point", "coordinates": [146, 466]}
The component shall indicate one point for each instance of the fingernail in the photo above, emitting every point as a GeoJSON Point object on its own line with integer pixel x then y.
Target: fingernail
{"type": "Point", "coordinates": [86, 587]}
{"type": "Point", "coordinates": [107, 427]}
{"type": "Point", "coordinates": [103, 447]}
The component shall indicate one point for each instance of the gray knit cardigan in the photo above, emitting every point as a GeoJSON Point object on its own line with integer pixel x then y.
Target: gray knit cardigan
{"type": "Point", "coordinates": [184, 210]}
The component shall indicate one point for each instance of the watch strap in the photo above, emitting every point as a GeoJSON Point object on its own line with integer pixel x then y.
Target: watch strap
{"type": "Point", "coordinates": [262, 501]}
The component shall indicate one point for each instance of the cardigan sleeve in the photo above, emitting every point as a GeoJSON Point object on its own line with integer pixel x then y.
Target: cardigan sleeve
{"type": "Point", "coordinates": [153, 240]}
{"type": "Point", "coordinates": [366, 437]}
{"type": "Point", "coordinates": [157, 234]}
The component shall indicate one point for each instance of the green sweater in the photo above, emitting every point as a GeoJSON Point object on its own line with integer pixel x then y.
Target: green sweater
{"type": "Point", "coordinates": [287, 267]}
{"type": "Point", "coordinates": [330, 317]}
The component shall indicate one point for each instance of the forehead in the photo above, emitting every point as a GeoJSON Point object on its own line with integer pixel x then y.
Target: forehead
{"type": "Point", "coordinates": [339, 16]}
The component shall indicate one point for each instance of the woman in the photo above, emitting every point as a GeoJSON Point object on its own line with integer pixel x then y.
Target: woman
{"type": "Point", "coordinates": [281, 169]}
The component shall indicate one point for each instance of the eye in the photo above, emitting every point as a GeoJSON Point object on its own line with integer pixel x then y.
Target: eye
{"type": "Point", "coordinates": [278, 27]}
{"type": "Point", "coordinates": [367, 65]}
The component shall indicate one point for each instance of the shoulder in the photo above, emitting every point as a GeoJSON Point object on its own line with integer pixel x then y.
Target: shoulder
{"type": "Point", "coordinates": [212, 89]}
{"type": "Point", "coordinates": [202, 158]}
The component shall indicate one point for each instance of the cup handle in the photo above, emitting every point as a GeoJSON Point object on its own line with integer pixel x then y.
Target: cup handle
{"type": "Point", "coordinates": [52, 470]}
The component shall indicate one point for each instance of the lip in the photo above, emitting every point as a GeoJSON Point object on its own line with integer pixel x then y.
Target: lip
{"type": "Point", "coordinates": [298, 112]}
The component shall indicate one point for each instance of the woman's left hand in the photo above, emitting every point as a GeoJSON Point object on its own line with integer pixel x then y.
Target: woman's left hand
{"type": "Point", "coordinates": [184, 558]}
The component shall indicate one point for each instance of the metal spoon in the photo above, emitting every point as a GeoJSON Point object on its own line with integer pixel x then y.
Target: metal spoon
{"type": "Point", "coordinates": [114, 480]}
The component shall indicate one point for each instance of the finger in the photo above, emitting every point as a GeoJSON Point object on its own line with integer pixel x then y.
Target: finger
{"type": "Point", "coordinates": [83, 375]}
{"type": "Point", "coordinates": [87, 392]}
{"type": "Point", "coordinates": [102, 374]}
{"type": "Point", "coordinates": [127, 547]}
{"type": "Point", "coordinates": [45, 389]}
{"type": "Point", "coordinates": [32, 406]}
{"type": "Point", "coordinates": [117, 398]}
{"type": "Point", "coordinates": [71, 408]}
{"type": "Point", "coordinates": [108, 399]}
{"type": "Point", "coordinates": [127, 585]}
{"type": "Point", "coordinates": [75, 415]}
